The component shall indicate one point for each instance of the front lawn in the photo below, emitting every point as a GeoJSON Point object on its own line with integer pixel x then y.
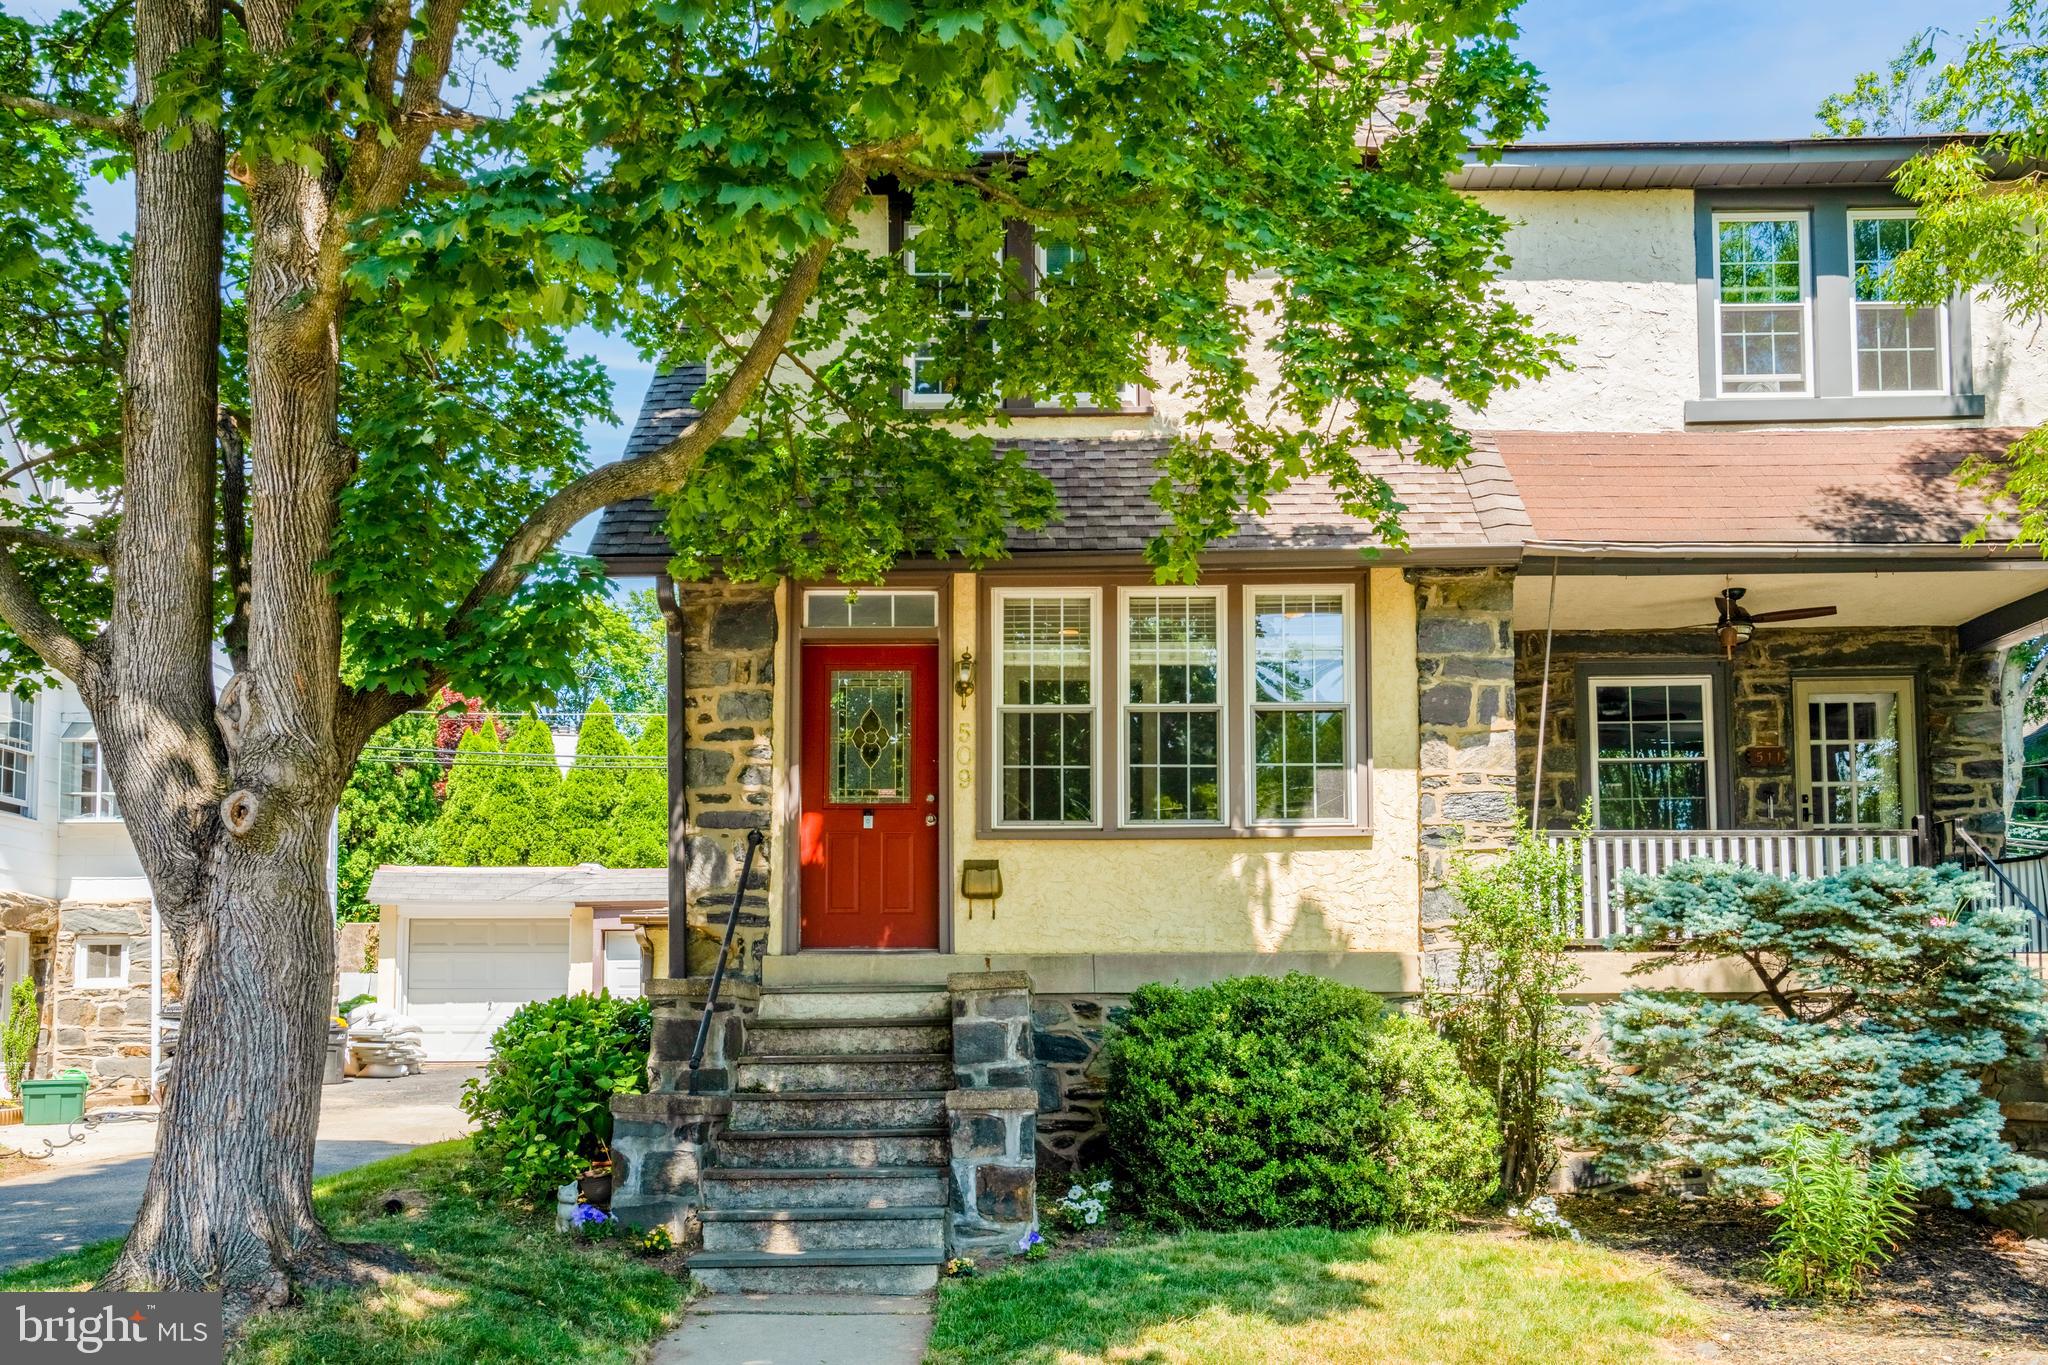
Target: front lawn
{"type": "Point", "coordinates": [1423, 1298]}
{"type": "Point", "coordinates": [490, 1283]}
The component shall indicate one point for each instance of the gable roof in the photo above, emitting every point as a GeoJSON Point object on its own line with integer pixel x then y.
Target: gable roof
{"type": "Point", "coordinates": [1103, 487]}
{"type": "Point", "coordinates": [1819, 489]}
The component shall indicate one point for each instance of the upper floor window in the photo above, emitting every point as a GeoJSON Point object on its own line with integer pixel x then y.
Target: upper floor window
{"type": "Point", "coordinates": [88, 790]}
{"type": "Point", "coordinates": [1898, 349]}
{"type": "Point", "coordinates": [17, 755]}
{"type": "Point", "coordinates": [1761, 275]}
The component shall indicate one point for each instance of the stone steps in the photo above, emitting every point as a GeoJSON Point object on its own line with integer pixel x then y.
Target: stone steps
{"type": "Point", "coordinates": [875, 1271]}
{"type": "Point", "coordinates": [850, 1037]}
{"type": "Point", "coordinates": [813, 1187]}
{"type": "Point", "coordinates": [789, 1231]}
{"type": "Point", "coordinates": [836, 1109]}
{"type": "Point", "coordinates": [840, 1004]}
{"type": "Point", "coordinates": [868, 1071]}
{"type": "Point", "coordinates": [861, 1148]}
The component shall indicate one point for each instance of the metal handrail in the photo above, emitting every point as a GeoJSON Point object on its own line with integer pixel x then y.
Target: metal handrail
{"type": "Point", "coordinates": [1973, 852]}
{"type": "Point", "coordinates": [732, 923]}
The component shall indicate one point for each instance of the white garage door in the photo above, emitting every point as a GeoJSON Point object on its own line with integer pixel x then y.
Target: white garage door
{"type": "Point", "coordinates": [464, 977]}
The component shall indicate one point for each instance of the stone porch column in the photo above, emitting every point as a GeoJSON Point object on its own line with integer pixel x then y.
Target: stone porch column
{"type": "Point", "coordinates": [1465, 664]}
{"type": "Point", "coordinates": [992, 1113]}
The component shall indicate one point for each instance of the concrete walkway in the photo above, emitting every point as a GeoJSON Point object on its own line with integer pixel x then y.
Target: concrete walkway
{"type": "Point", "coordinates": [89, 1191]}
{"type": "Point", "coordinates": [799, 1329]}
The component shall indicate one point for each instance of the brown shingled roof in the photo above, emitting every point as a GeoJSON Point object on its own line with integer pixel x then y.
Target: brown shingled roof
{"type": "Point", "coordinates": [1103, 485]}
{"type": "Point", "coordinates": [1893, 486]}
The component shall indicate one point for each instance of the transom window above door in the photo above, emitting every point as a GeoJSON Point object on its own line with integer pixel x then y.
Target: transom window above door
{"type": "Point", "coordinates": [1653, 752]}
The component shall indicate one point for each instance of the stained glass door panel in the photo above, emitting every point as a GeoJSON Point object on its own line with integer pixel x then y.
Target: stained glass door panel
{"type": "Point", "coordinates": [871, 740]}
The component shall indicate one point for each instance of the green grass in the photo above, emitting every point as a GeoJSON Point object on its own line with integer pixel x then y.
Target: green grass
{"type": "Point", "coordinates": [491, 1283]}
{"type": "Point", "coordinates": [1420, 1298]}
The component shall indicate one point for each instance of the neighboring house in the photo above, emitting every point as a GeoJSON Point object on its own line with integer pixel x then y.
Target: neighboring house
{"type": "Point", "coordinates": [460, 948]}
{"type": "Point", "coordinates": [1058, 769]}
{"type": "Point", "coordinates": [75, 911]}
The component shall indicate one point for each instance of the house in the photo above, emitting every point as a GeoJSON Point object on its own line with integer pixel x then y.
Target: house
{"type": "Point", "coordinates": [1715, 581]}
{"type": "Point", "coordinates": [75, 909]}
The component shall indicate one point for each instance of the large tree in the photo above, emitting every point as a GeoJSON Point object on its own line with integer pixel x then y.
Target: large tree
{"type": "Point", "coordinates": [323, 410]}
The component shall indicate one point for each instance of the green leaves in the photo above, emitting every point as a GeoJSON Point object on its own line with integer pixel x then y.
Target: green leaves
{"type": "Point", "coordinates": [1839, 1218]}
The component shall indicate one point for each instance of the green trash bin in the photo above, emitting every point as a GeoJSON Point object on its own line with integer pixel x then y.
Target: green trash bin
{"type": "Point", "coordinates": [57, 1099]}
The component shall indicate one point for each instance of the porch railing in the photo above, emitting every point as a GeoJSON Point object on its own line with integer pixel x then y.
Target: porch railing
{"type": "Point", "coordinates": [1606, 854]}
{"type": "Point", "coordinates": [2017, 883]}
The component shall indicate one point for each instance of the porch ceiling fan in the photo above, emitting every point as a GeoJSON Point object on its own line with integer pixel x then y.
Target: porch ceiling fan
{"type": "Point", "coordinates": [1735, 625]}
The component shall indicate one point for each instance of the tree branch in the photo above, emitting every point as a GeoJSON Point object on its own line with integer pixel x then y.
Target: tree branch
{"type": "Point", "coordinates": [671, 464]}
{"type": "Point", "coordinates": [38, 629]}
{"type": "Point", "coordinates": [61, 453]}
{"type": "Point", "coordinates": [122, 126]}
{"type": "Point", "coordinates": [91, 550]}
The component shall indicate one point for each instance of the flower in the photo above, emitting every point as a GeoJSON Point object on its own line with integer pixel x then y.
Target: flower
{"type": "Point", "coordinates": [1029, 1240]}
{"type": "Point", "coordinates": [589, 1215]}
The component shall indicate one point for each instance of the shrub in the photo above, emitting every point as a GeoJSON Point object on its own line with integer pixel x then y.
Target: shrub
{"type": "Point", "coordinates": [1258, 1102]}
{"type": "Point", "coordinates": [1503, 1009]}
{"type": "Point", "coordinates": [1838, 1218]}
{"type": "Point", "coordinates": [18, 1033]}
{"type": "Point", "coordinates": [543, 1104]}
{"type": "Point", "coordinates": [1887, 993]}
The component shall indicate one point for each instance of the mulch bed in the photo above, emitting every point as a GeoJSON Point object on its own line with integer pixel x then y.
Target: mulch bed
{"type": "Point", "coordinates": [1958, 1290]}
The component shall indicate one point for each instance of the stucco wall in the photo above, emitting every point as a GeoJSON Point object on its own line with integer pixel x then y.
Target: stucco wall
{"type": "Point", "coordinates": [1351, 894]}
{"type": "Point", "coordinates": [1613, 270]}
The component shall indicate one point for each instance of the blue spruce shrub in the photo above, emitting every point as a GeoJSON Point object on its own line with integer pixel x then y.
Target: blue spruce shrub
{"type": "Point", "coordinates": [1262, 1102]}
{"type": "Point", "coordinates": [1888, 991]}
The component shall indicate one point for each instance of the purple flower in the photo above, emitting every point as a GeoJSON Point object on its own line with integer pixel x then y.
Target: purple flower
{"type": "Point", "coordinates": [588, 1214]}
{"type": "Point", "coordinates": [1029, 1240]}
{"type": "Point", "coordinates": [1938, 922]}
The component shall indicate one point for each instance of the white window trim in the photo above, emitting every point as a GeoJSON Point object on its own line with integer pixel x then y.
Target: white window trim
{"type": "Point", "coordinates": [1804, 690]}
{"type": "Point", "coordinates": [82, 955]}
{"type": "Point", "coordinates": [1709, 738]}
{"type": "Point", "coordinates": [1804, 217]}
{"type": "Point", "coordinates": [1856, 307]}
{"type": "Point", "coordinates": [912, 398]}
{"type": "Point", "coordinates": [103, 794]}
{"type": "Point", "coordinates": [1124, 708]}
{"type": "Point", "coordinates": [998, 708]}
{"type": "Point", "coordinates": [31, 770]}
{"type": "Point", "coordinates": [1252, 706]}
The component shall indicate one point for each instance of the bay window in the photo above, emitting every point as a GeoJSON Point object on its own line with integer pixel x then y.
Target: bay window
{"type": "Point", "coordinates": [1224, 709]}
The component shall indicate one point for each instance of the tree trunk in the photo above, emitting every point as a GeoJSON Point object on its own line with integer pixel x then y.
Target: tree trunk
{"type": "Point", "coordinates": [228, 1201]}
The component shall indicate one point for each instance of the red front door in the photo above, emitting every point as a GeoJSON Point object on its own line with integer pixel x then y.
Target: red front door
{"type": "Point", "coordinates": [870, 842]}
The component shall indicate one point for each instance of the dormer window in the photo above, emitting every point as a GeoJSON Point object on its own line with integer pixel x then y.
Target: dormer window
{"type": "Point", "coordinates": [1763, 303]}
{"type": "Point", "coordinates": [1898, 349]}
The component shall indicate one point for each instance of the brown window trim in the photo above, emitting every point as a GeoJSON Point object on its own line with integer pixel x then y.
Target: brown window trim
{"type": "Point", "coordinates": [1019, 245]}
{"type": "Point", "coordinates": [1110, 749]}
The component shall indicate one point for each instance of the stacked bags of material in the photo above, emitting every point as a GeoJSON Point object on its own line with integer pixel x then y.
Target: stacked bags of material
{"type": "Point", "coordinates": [384, 1043]}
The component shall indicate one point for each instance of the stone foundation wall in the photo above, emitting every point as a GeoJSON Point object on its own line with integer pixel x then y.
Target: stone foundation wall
{"type": "Point", "coordinates": [1067, 1033]}
{"type": "Point", "coordinates": [727, 709]}
{"type": "Point", "coordinates": [103, 1031]}
{"type": "Point", "coordinates": [1465, 667]}
{"type": "Point", "coordinates": [1959, 719]}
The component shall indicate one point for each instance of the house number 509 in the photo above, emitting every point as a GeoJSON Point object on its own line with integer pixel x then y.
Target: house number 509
{"type": "Point", "coordinates": [963, 755]}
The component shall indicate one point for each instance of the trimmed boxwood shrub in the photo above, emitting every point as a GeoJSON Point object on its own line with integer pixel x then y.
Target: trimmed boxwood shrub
{"type": "Point", "coordinates": [543, 1104]}
{"type": "Point", "coordinates": [1263, 1102]}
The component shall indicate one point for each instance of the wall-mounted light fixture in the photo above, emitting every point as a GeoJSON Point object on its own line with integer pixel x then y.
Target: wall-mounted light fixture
{"type": "Point", "coordinates": [981, 879]}
{"type": "Point", "coordinates": [963, 676]}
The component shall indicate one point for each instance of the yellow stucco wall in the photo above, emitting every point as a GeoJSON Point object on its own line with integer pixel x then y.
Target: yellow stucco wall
{"type": "Point", "coordinates": [1213, 895]}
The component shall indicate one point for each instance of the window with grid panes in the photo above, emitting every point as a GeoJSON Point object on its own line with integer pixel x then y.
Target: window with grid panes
{"type": "Point", "coordinates": [1045, 709]}
{"type": "Point", "coordinates": [1301, 706]}
{"type": "Point", "coordinates": [1760, 274]}
{"type": "Point", "coordinates": [17, 755]}
{"type": "Point", "coordinates": [1898, 349]}
{"type": "Point", "coordinates": [1653, 765]}
{"type": "Point", "coordinates": [1173, 708]}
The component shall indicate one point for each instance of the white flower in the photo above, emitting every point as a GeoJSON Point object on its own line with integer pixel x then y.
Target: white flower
{"type": "Point", "coordinates": [1075, 1193]}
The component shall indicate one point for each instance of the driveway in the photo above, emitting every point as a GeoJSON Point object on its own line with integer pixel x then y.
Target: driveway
{"type": "Point", "coordinates": [90, 1191]}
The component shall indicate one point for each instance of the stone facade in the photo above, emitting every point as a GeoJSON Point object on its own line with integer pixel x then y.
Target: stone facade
{"type": "Point", "coordinates": [1465, 670]}
{"type": "Point", "coordinates": [727, 709]}
{"type": "Point", "coordinates": [1066, 1034]}
{"type": "Point", "coordinates": [991, 1113]}
{"type": "Point", "coordinates": [1957, 698]}
{"type": "Point", "coordinates": [103, 1030]}
{"type": "Point", "coordinates": [2020, 1086]}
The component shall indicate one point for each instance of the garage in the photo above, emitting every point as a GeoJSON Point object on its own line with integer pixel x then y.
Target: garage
{"type": "Point", "coordinates": [464, 977]}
